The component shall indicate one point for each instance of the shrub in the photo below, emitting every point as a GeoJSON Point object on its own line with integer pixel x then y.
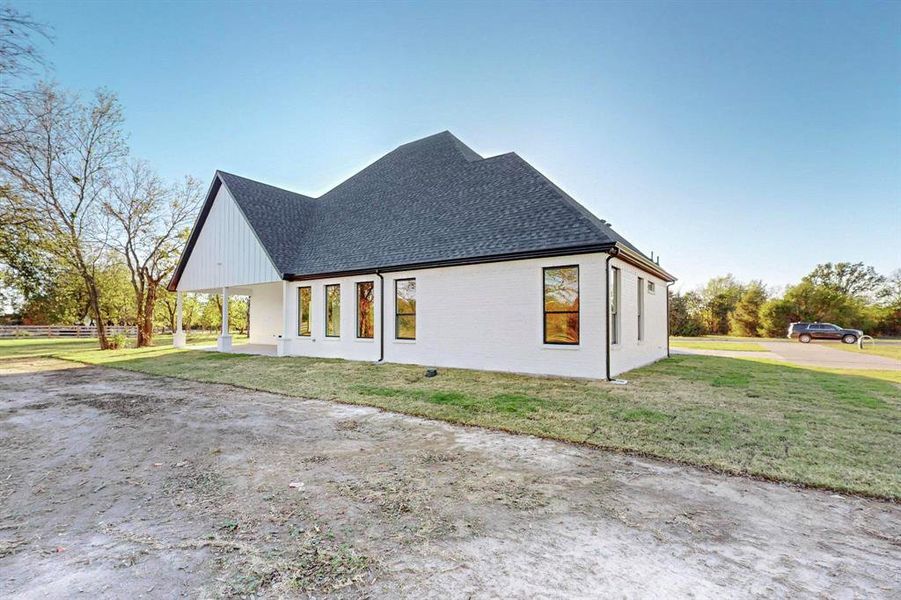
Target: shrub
{"type": "Point", "coordinates": [118, 341]}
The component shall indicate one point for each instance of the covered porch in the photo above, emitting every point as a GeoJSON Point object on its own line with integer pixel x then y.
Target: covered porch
{"type": "Point", "coordinates": [267, 320]}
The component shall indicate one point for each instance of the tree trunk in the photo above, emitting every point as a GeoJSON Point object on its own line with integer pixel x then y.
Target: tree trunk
{"type": "Point", "coordinates": [145, 327]}
{"type": "Point", "coordinates": [94, 300]}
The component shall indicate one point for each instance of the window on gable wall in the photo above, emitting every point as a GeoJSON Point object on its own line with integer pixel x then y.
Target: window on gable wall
{"type": "Point", "coordinates": [333, 310]}
{"type": "Point", "coordinates": [365, 310]}
{"type": "Point", "coordinates": [561, 305]}
{"type": "Point", "coordinates": [304, 295]}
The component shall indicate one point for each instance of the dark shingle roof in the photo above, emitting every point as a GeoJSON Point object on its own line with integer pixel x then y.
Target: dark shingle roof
{"type": "Point", "coordinates": [430, 200]}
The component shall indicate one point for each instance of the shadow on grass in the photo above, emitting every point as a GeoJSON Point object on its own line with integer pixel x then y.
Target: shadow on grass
{"type": "Point", "coordinates": [774, 421]}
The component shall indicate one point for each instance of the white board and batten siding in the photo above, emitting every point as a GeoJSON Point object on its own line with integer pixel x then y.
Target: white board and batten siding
{"type": "Point", "coordinates": [227, 252]}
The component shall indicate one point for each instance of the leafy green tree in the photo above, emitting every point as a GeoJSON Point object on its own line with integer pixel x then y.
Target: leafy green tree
{"type": "Point", "coordinates": [238, 313]}
{"type": "Point", "coordinates": [775, 316]}
{"type": "Point", "coordinates": [848, 279]}
{"type": "Point", "coordinates": [744, 320]}
{"type": "Point", "coordinates": [809, 302]}
{"type": "Point", "coordinates": [685, 314]}
{"type": "Point", "coordinates": [887, 314]}
{"type": "Point", "coordinates": [57, 156]}
{"type": "Point", "coordinates": [719, 298]}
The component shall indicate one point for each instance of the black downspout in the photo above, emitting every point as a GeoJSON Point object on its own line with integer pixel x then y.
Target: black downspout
{"type": "Point", "coordinates": [610, 254]}
{"type": "Point", "coordinates": [382, 316]}
{"type": "Point", "coordinates": [667, 317]}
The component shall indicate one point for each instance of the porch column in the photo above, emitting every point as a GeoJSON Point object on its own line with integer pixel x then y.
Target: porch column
{"type": "Point", "coordinates": [224, 343]}
{"type": "Point", "coordinates": [284, 340]}
{"type": "Point", "coordinates": [179, 339]}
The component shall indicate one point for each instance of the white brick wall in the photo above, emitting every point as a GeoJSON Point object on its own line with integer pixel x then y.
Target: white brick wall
{"type": "Point", "coordinates": [486, 316]}
{"type": "Point", "coordinates": [265, 313]}
{"type": "Point", "coordinates": [630, 352]}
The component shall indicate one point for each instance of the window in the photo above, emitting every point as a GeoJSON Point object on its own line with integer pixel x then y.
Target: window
{"type": "Point", "coordinates": [365, 310]}
{"type": "Point", "coordinates": [561, 305]}
{"type": "Point", "coordinates": [652, 287]}
{"type": "Point", "coordinates": [333, 310]}
{"type": "Point", "coordinates": [614, 307]}
{"type": "Point", "coordinates": [640, 308]}
{"type": "Point", "coordinates": [304, 295]}
{"type": "Point", "coordinates": [405, 309]}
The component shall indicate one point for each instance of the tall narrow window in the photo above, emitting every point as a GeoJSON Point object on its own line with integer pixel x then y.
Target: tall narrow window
{"type": "Point", "coordinates": [614, 306]}
{"type": "Point", "coordinates": [365, 310]}
{"type": "Point", "coordinates": [304, 295]}
{"type": "Point", "coordinates": [640, 308]}
{"type": "Point", "coordinates": [405, 309]}
{"type": "Point", "coordinates": [561, 305]}
{"type": "Point", "coordinates": [333, 310]}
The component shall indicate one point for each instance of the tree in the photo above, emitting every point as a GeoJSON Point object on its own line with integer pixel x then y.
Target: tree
{"type": "Point", "coordinates": [685, 314]}
{"type": "Point", "coordinates": [58, 157]}
{"type": "Point", "coordinates": [150, 221]}
{"type": "Point", "coordinates": [775, 316]}
{"type": "Point", "coordinates": [850, 279]}
{"type": "Point", "coordinates": [719, 298]}
{"type": "Point", "coordinates": [19, 58]}
{"type": "Point", "coordinates": [238, 313]}
{"type": "Point", "coordinates": [888, 312]}
{"type": "Point", "coordinates": [24, 267]}
{"type": "Point", "coordinates": [809, 302]}
{"type": "Point", "coordinates": [745, 318]}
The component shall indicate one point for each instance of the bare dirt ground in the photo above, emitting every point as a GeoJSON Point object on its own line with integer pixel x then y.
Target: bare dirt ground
{"type": "Point", "coordinates": [115, 484]}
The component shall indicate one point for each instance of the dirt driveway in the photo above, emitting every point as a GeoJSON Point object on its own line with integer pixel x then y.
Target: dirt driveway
{"type": "Point", "coordinates": [122, 485]}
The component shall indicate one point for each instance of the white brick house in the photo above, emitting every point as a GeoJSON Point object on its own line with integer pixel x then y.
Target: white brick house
{"type": "Point", "coordinates": [436, 256]}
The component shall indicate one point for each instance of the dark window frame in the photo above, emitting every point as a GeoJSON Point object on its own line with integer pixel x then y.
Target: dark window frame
{"type": "Point", "coordinates": [545, 312]}
{"type": "Point", "coordinates": [372, 308]}
{"type": "Point", "coordinates": [615, 301]}
{"type": "Point", "coordinates": [325, 295]}
{"type": "Point", "coordinates": [300, 311]}
{"type": "Point", "coordinates": [640, 308]}
{"type": "Point", "coordinates": [397, 335]}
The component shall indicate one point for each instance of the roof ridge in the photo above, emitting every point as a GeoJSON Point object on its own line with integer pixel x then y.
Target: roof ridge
{"type": "Point", "coordinates": [269, 185]}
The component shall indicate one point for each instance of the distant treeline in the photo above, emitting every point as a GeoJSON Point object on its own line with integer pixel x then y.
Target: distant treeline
{"type": "Point", "coordinates": [847, 294]}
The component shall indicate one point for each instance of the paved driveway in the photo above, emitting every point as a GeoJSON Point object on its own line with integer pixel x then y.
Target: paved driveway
{"type": "Point", "coordinates": [114, 484]}
{"type": "Point", "coordinates": [813, 355]}
{"type": "Point", "coordinates": [822, 355]}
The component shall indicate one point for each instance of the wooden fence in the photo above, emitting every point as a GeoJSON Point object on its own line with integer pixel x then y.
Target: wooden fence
{"type": "Point", "coordinates": [68, 331]}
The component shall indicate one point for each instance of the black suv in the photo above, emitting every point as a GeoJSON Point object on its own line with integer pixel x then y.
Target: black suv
{"type": "Point", "coordinates": [822, 331]}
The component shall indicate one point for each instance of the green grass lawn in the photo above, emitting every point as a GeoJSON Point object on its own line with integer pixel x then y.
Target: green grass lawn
{"type": "Point", "coordinates": [27, 347]}
{"type": "Point", "coordinates": [700, 344]}
{"type": "Point", "coordinates": [836, 430]}
{"type": "Point", "coordinates": [727, 338]}
{"type": "Point", "coordinates": [879, 349]}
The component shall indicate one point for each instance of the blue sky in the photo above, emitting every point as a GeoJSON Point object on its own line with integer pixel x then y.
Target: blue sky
{"type": "Point", "coordinates": [758, 139]}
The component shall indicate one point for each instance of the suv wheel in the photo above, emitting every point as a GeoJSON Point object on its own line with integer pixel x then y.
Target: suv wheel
{"type": "Point", "coordinates": [849, 339]}
{"type": "Point", "coordinates": [804, 338]}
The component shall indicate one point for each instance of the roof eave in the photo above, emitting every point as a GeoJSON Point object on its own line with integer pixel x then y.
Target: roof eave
{"type": "Point", "coordinates": [640, 261]}
{"type": "Point", "coordinates": [456, 262]}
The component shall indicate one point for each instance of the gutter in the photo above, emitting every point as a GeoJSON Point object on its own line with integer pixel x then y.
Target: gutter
{"type": "Point", "coordinates": [667, 317]}
{"type": "Point", "coordinates": [611, 253]}
{"type": "Point", "coordinates": [382, 316]}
